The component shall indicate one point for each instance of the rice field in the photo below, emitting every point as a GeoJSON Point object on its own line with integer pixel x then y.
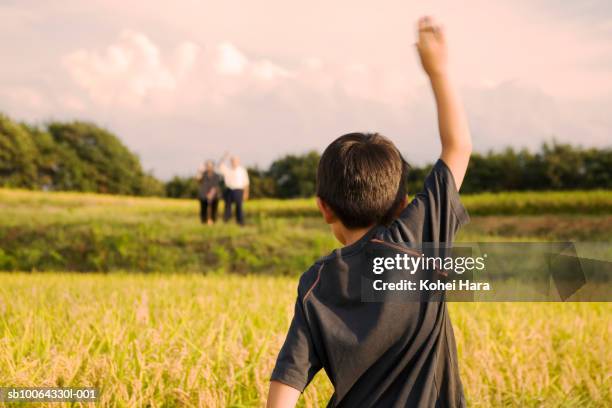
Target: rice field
{"type": "Point", "coordinates": [192, 340]}
{"type": "Point", "coordinates": [177, 322]}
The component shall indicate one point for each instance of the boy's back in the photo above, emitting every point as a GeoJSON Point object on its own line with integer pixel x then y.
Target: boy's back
{"type": "Point", "coordinates": [378, 353]}
{"type": "Point", "coordinates": [384, 353]}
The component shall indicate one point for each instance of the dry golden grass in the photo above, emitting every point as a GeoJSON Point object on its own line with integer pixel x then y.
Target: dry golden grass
{"type": "Point", "coordinates": [192, 340]}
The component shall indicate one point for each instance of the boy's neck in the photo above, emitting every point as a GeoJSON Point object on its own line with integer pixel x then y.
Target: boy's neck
{"type": "Point", "coordinates": [350, 236]}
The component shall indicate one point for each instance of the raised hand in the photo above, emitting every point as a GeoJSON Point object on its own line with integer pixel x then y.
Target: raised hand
{"type": "Point", "coordinates": [431, 45]}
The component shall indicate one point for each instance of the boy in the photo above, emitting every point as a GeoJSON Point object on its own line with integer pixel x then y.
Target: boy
{"type": "Point", "coordinates": [381, 354]}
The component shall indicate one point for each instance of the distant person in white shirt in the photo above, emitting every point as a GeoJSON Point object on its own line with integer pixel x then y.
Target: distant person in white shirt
{"type": "Point", "coordinates": [237, 186]}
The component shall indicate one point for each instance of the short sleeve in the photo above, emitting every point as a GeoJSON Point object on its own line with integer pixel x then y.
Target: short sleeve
{"type": "Point", "coordinates": [435, 214]}
{"type": "Point", "coordinates": [297, 362]}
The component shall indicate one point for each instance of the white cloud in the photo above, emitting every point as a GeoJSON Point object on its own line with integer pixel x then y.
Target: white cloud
{"type": "Point", "coordinates": [128, 71]}
{"type": "Point", "coordinates": [230, 60]}
{"type": "Point", "coordinates": [134, 72]}
{"type": "Point", "coordinates": [269, 71]}
{"type": "Point", "coordinates": [186, 55]}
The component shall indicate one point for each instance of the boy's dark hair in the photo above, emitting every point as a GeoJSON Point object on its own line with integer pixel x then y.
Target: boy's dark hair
{"type": "Point", "coordinates": [362, 178]}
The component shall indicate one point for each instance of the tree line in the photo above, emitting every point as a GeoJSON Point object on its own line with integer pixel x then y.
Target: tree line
{"type": "Point", "coordinates": [80, 156]}
{"type": "Point", "coordinates": [555, 166]}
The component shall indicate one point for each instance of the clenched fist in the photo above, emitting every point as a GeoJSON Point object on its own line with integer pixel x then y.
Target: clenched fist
{"type": "Point", "coordinates": [431, 45]}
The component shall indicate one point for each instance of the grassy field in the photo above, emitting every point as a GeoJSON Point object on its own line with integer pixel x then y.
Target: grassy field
{"type": "Point", "coordinates": [189, 340]}
{"type": "Point", "coordinates": [89, 232]}
{"type": "Point", "coordinates": [166, 338]}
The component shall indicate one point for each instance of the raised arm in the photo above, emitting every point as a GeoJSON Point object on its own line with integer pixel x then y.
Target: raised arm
{"type": "Point", "coordinates": [222, 164]}
{"type": "Point", "coordinates": [452, 123]}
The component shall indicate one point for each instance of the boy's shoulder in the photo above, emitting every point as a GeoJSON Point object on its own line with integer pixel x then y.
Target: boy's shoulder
{"type": "Point", "coordinates": [339, 256]}
{"type": "Point", "coordinates": [331, 270]}
{"type": "Point", "coordinates": [310, 277]}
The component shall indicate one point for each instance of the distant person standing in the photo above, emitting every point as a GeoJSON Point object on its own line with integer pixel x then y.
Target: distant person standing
{"type": "Point", "coordinates": [237, 186]}
{"type": "Point", "coordinates": [209, 192]}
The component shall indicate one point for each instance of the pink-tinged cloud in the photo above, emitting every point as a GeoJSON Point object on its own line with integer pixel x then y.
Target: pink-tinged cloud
{"type": "Point", "coordinates": [190, 80]}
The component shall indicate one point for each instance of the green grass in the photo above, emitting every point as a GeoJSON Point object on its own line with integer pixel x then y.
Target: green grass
{"type": "Point", "coordinates": [510, 203]}
{"type": "Point", "coordinates": [189, 340]}
{"type": "Point", "coordinates": [91, 232]}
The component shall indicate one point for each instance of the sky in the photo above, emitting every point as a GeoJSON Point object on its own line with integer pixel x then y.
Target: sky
{"type": "Point", "coordinates": [183, 81]}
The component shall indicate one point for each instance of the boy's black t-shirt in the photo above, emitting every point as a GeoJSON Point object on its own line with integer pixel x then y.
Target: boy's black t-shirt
{"type": "Point", "coordinates": [384, 354]}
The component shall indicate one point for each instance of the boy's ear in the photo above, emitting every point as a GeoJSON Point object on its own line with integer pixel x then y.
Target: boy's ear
{"type": "Point", "coordinates": [326, 211]}
{"type": "Point", "coordinates": [402, 204]}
